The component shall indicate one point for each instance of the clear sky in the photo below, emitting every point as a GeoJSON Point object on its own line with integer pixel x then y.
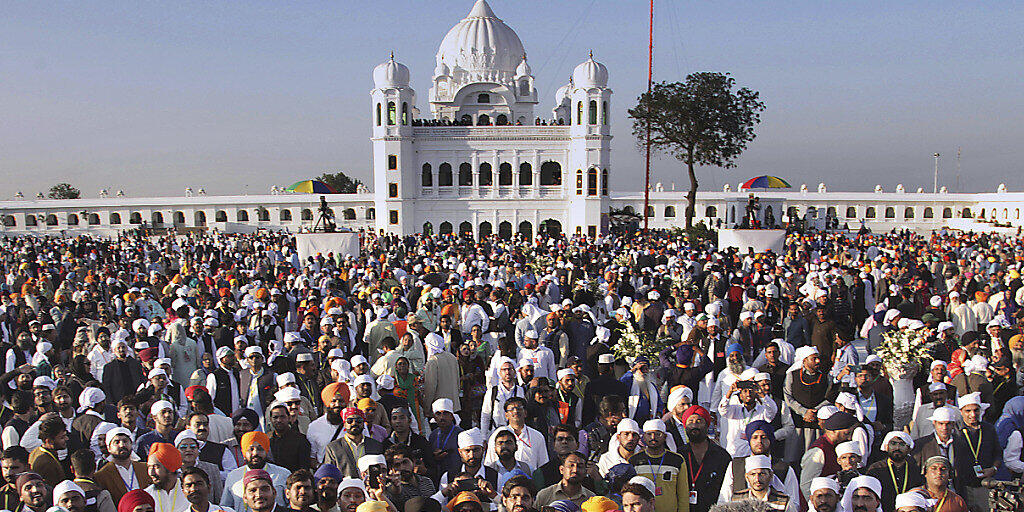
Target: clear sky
{"type": "Point", "coordinates": [153, 96]}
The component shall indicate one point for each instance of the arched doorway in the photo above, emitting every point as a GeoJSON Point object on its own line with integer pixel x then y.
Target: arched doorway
{"type": "Point", "coordinates": [526, 229]}
{"type": "Point", "coordinates": [446, 228]}
{"type": "Point", "coordinates": [466, 229]}
{"type": "Point", "coordinates": [200, 218]}
{"type": "Point", "coordinates": [428, 229]}
{"type": "Point", "coordinates": [505, 230]}
{"type": "Point", "coordinates": [485, 230]}
{"type": "Point", "coordinates": [550, 227]}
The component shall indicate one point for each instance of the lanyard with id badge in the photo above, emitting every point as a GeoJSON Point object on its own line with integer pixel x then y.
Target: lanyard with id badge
{"type": "Point", "coordinates": [978, 471]}
{"type": "Point", "coordinates": [693, 476]}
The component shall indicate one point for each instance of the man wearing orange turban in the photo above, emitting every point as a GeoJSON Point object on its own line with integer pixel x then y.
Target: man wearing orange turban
{"type": "Point", "coordinates": [255, 449]}
{"type": "Point", "coordinates": [163, 465]}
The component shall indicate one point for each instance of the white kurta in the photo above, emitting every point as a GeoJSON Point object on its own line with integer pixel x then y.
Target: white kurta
{"type": "Point", "coordinates": [531, 449]}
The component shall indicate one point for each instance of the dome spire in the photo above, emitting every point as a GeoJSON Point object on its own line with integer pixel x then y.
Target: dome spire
{"type": "Point", "coordinates": [481, 10]}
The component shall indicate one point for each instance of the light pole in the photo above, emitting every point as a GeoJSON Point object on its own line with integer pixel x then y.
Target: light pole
{"type": "Point", "coordinates": [935, 185]}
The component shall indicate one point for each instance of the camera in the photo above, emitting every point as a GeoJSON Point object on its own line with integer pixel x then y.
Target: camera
{"type": "Point", "coordinates": [467, 484]}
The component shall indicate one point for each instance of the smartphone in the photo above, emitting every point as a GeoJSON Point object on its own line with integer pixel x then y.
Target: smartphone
{"type": "Point", "coordinates": [467, 484]}
{"type": "Point", "coordinates": [373, 476]}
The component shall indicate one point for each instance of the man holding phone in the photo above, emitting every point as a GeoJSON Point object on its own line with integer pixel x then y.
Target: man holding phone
{"type": "Point", "coordinates": [735, 414]}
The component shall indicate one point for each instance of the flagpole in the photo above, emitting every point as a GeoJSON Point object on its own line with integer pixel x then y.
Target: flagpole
{"type": "Point", "coordinates": [650, 74]}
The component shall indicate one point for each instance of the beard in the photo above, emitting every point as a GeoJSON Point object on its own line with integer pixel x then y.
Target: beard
{"type": "Point", "coordinates": [333, 417]}
{"type": "Point", "coordinates": [695, 433]}
{"type": "Point", "coordinates": [825, 507]}
{"type": "Point", "coordinates": [897, 456]}
{"type": "Point", "coordinates": [736, 367]}
{"type": "Point", "coordinates": [328, 495]}
{"type": "Point", "coordinates": [257, 462]}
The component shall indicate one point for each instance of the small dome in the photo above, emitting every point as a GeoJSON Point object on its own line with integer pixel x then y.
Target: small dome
{"type": "Point", "coordinates": [390, 74]}
{"type": "Point", "coordinates": [441, 69]}
{"type": "Point", "coordinates": [561, 93]}
{"type": "Point", "coordinates": [590, 74]}
{"type": "Point", "coordinates": [523, 69]}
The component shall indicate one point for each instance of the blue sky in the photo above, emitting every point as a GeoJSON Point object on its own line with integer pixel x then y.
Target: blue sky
{"type": "Point", "coordinates": [154, 96]}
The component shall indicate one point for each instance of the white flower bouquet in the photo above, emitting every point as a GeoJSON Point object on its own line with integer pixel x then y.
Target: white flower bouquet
{"type": "Point", "coordinates": [633, 343]}
{"type": "Point", "coordinates": [902, 353]}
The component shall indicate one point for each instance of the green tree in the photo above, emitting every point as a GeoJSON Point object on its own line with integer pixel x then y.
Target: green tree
{"type": "Point", "coordinates": [64, 191]}
{"type": "Point", "coordinates": [341, 182]}
{"type": "Point", "coordinates": [701, 121]}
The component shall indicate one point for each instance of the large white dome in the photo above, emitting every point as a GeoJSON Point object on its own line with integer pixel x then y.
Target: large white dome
{"type": "Point", "coordinates": [482, 43]}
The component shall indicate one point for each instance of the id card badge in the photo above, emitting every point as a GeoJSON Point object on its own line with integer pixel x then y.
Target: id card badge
{"type": "Point", "coordinates": [693, 497]}
{"type": "Point", "coordinates": [658, 491]}
{"type": "Point", "coordinates": [978, 471]}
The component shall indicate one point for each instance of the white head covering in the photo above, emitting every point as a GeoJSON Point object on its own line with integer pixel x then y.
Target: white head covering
{"type": "Point", "coordinates": [470, 438]}
{"type": "Point", "coordinates": [366, 461]}
{"type": "Point", "coordinates": [856, 483]}
{"type": "Point", "coordinates": [944, 413]}
{"type": "Point", "coordinates": [823, 482]}
{"type": "Point", "coordinates": [799, 356]}
{"type": "Point", "coordinates": [644, 481]}
{"type": "Point", "coordinates": [159, 406]}
{"type": "Point", "coordinates": [627, 425]}
{"type": "Point", "coordinates": [90, 397]}
{"type": "Point", "coordinates": [911, 499]}
{"type": "Point", "coordinates": [65, 487]}
{"type": "Point", "coordinates": [893, 435]}
{"type": "Point", "coordinates": [847, 447]}
{"type": "Point", "coordinates": [183, 436]}
{"type": "Point", "coordinates": [971, 398]}
{"type": "Point", "coordinates": [434, 343]}
{"type": "Point", "coordinates": [677, 396]}
{"type": "Point", "coordinates": [565, 372]}
{"type": "Point", "coordinates": [116, 431]}
{"type": "Point", "coordinates": [655, 425]}
{"type": "Point", "coordinates": [757, 462]}
{"type": "Point", "coordinates": [443, 404]}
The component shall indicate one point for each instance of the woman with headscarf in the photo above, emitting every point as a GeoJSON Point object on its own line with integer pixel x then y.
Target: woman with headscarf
{"type": "Point", "coordinates": [1009, 428]}
{"type": "Point", "coordinates": [471, 383]}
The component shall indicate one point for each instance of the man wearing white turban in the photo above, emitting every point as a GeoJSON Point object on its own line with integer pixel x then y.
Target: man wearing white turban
{"type": "Point", "coordinates": [441, 373]}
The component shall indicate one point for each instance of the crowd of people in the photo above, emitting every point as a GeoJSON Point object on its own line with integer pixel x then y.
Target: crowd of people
{"type": "Point", "coordinates": [217, 373]}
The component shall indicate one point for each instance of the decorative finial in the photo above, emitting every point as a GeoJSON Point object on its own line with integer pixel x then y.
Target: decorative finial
{"type": "Point", "coordinates": [392, 55]}
{"type": "Point", "coordinates": [591, 54]}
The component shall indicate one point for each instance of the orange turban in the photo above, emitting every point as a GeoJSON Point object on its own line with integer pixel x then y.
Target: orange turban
{"type": "Point", "coordinates": [366, 403]}
{"type": "Point", "coordinates": [254, 437]}
{"type": "Point", "coordinates": [981, 296]}
{"type": "Point", "coordinates": [167, 454]}
{"type": "Point", "coordinates": [262, 293]}
{"type": "Point", "coordinates": [332, 389]}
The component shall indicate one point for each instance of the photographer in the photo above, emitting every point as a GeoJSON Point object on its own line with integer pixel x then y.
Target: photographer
{"type": "Point", "coordinates": [401, 481]}
{"type": "Point", "coordinates": [736, 414]}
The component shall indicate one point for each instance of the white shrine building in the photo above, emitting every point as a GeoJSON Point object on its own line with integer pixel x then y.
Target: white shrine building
{"type": "Point", "coordinates": [491, 159]}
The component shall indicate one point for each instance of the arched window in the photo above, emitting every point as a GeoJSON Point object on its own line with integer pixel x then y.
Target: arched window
{"type": "Point", "coordinates": [869, 213]}
{"type": "Point", "coordinates": [222, 216]}
{"type": "Point", "coordinates": [427, 177]}
{"type": "Point", "coordinates": [592, 182]}
{"type": "Point", "coordinates": [793, 212]}
{"type": "Point", "coordinates": [551, 227]}
{"type": "Point", "coordinates": [1006, 214]}
{"type": "Point", "coordinates": [200, 218]}
{"type": "Point", "coordinates": [391, 113]}
{"type": "Point", "coordinates": [242, 216]}
{"type": "Point", "coordinates": [650, 211]}
{"type": "Point", "coordinates": [579, 112]}
{"type": "Point", "coordinates": [179, 217]}
{"type": "Point", "coordinates": [157, 218]}
{"type": "Point", "coordinates": [30, 220]}
{"type": "Point", "coordinates": [135, 218]}
{"type": "Point", "coordinates": [428, 228]}
{"type": "Point", "coordinates": [446, 228]}
{"type": "Point", "coordinates": [908, 212]}
{"type": "Point", "coordinates": [851, 212]}
{"type": "Point", "coordinates": [348, 214]}
{"type": "Point", "coordinates": [465, 229]}
{"type": "Point", "coordinates": [525, 174]}
{"type": "Point", "coordinates": [928, 213]}
{"type": "Point", "coordinates": [72, 219]}
{"type": "Point", "coordinates": [483, 98]}
{"type": "Point", "coordinates": [465, 174]}
{"type": "Point", "coordinates": [405, 113]}
{"type": "Point", "coordinates": [966, 213]}
{"type": "Point", "coordinates": [711, 211]}
{"type": "Point", "coordinates": [550, 173]}
{"type": "Point", "coordinates": [579, 182]}
{"type": "Point", "coordinates": [812, 212]}
{"type": "Point", "coordinates": [505, 174]}
{"type": "Point", "coordinates": [592, 112]}
{"type": "Point", "coordinates": [444, 175]}
{"type": "Point", "coordinates": [501, 120]}
{"type": "Point", "coordinates": [890, 212]}
{"type": "Point", "coordinates": [9, 221]}
{"type": "Point", "coordinates": [306, 214]}
{"type": "Point", "coordinates": [670, 211]}
{"type": "Point", "coordinates": [263, 214]}
{"type": "Point", "coordinates": [485, 230]}
{"type": "Point", "coordinates": [94, 219]}
{"type": "Point", "coordinates": [604, 182]}
{"type": "Point", "coordinates": [483, 120]}
{"type": "Point", "coordinates": [628, 209]}
{"type": "Point", "coordinates": [466, 120]}
{"type": "Point", "coordinates": [947, 213]}
{"type": "Point", "coordinates": [524, 88]}
{"type": "Point", "coordinates": [830, 213]}
{"type": "Point", "coordinates": [486, 177]}
{"type": "Point", "coordinates": [378, 114]}
{"type": "Point", "coordinates": [371, 214]}
{"type": "Point", "coordinates": [285, 215]}
{"type": "Point", "coordinates": [115, 219]}
{"type": "Point", "coordinates": [604, 113]}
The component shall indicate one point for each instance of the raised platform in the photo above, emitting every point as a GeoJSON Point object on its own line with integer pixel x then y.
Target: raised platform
{"type": "Point", "coordinates": [311, 244]}
{"type": "Point", "coordinates": [758, 239]}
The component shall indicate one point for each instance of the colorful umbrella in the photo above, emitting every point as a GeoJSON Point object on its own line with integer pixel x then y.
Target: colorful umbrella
{"type": "Point", "coordinates": [765, 182]}
{"type": "Point", "coordinates": [311, 187]}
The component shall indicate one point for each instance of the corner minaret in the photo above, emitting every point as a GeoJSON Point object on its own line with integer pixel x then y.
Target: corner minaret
{"type": "Point", "coordinates": [393, 104]}
{"type": "Point", "coordinates": [584, 103]}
